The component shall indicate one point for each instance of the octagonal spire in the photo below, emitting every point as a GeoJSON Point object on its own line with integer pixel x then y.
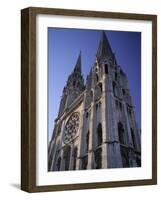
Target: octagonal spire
{"type": "Point", "coordinates": [104, 48]}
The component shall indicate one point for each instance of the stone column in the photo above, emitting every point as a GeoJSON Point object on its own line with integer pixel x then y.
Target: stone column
{"type": "Point", "coordinates": [81, 136]}
{"type": "Point", "coordinates": [129, 141]}
{"type": "Point", "coordinates": [104, 126]}
{"type": "Point", "coordinates": [62, 132]}
{"type": "Point", "coordinates": [62, 165]}
{"type": "Point", "coordinates": [71, 157]}
{"type": "Point", "coordinates": [61, 144]}
{"type": "Point", "coordinates": [113, 147]}
{"type": "Point", "coordinates": [53, 152]}
{"type": "Point", "coordinates": [110, 111]}
{"type": "Point", "coordinates": [127, 124]}
{"type": "Point", "coordinates": [136, 132]}
{"type": "Point", "coordinates": [91, 138]}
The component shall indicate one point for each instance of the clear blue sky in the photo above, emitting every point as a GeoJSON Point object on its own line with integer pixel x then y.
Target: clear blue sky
{"type": "Point", "coordinates": [64, 46]}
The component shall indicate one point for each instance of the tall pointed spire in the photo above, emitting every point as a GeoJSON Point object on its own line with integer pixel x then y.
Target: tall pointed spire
{"type": "Point", "coordinates": [104, 49]}
{"type": "Point", "coordinates": [78, 64]}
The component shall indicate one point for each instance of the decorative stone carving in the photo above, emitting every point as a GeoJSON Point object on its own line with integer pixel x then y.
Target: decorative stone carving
{"type": "Point", "coordinates": [71, 127]}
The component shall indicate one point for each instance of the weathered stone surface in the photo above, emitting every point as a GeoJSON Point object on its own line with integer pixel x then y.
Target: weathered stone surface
{"type": "Point", "coordinates": [102, 132]}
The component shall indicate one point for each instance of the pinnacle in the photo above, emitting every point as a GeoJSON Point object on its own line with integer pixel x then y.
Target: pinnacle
{"type": "Point", "coordinates": [104, 48]}
{"type": "Point", "coordinates": [78, 64]}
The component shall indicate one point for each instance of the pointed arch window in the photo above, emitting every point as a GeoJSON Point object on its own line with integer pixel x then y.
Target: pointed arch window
{"type": "Point", "coordinates": [100, 87]}
{"type": "Point", "coordinates": [74, 157]}
{"type": "Point", "coordinates": [99, 134]}
{"type": "Point", "coordinates": [91, 95]}
{"type": "Point", "coordinates": [106, 68]}
{"type": "Point", "coordinates": [123, 91]}
{"type": "Point", "coordinates": [125, 156]}
{"type": "Point", "coordinates": [87, 114]}
{"type": "Point", "coordinates": [98, 158]}
{"type": "Point", "coordinates": [97, 78]}
{"type": "Point", "coordinates": [114, 88]}
{"type": "Point", "coordinates": [87, 141]}
{"type": "Point", "coordinates": [121, 133]}
{"type": "Point", "coordinates": [84, 162]}
{"type": "Point", "coordinates": [67, 152]}
{"type": "Point", "coordinates": [120, 105]}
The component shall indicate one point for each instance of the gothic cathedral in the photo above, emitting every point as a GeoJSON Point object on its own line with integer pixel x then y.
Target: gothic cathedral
{"type": "Point", "coordinates": [96, 127]}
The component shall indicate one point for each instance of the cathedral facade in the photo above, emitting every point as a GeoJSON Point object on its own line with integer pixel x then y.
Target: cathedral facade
{"type": "Point", "coordinates": [96, 127]}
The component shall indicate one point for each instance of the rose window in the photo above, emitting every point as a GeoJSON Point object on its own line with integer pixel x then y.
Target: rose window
{"type": "Point", "coordinates": [71, 127]}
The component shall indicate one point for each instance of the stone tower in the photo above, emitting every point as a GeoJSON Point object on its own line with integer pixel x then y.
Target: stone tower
{"type": "Point", "coordinates": [73, 88]}
{"type": "Point", "coordinates": [96, 127]}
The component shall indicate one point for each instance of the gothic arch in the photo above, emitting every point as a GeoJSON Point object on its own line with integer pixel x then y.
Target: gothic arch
{"type": "Point", "coordinates": [99, 134]}
{"type": "Point", "coordinates": [114, 88]}
{"type": "Point", "coordinates": [87, 141]}
{"type": "Point", "coordinates": [98, 158]}
{"type": "Point", "coordinates": [106, 68]}
{"type": "Point", "coordinates": [84, 162]}
{"type": "Point", "coordinates": [123, 92]}
{"type": "Point", "coordinates": [91, 95]}
{"type": "Point", "coordinates": [87, 114]}
{"type": "Point", "coordinates": [66, 155]}
{"type": "Point", "coordinates": [97, 78]}
{"type": "Point", "coordinates": [121, 133]}
{"type": "Point", "coordinates": [75, 150]}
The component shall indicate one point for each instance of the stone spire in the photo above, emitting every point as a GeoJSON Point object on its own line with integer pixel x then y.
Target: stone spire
{"type": "Point", "coordinates": [104, 48]}
{"type": "Point", "coordinates": [75, 83]}
{"type": "Point", "coordinates": [78, 64]}
{"type": "Point", "coordinates": [74, 86]}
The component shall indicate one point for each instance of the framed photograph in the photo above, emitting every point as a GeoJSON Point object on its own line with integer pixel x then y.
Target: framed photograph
{"type": "Point", "coordinates": [88, 99]}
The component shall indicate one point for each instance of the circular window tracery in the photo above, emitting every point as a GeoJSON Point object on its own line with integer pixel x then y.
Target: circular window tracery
{"type": "Point", "coordinates": [71, 127]}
